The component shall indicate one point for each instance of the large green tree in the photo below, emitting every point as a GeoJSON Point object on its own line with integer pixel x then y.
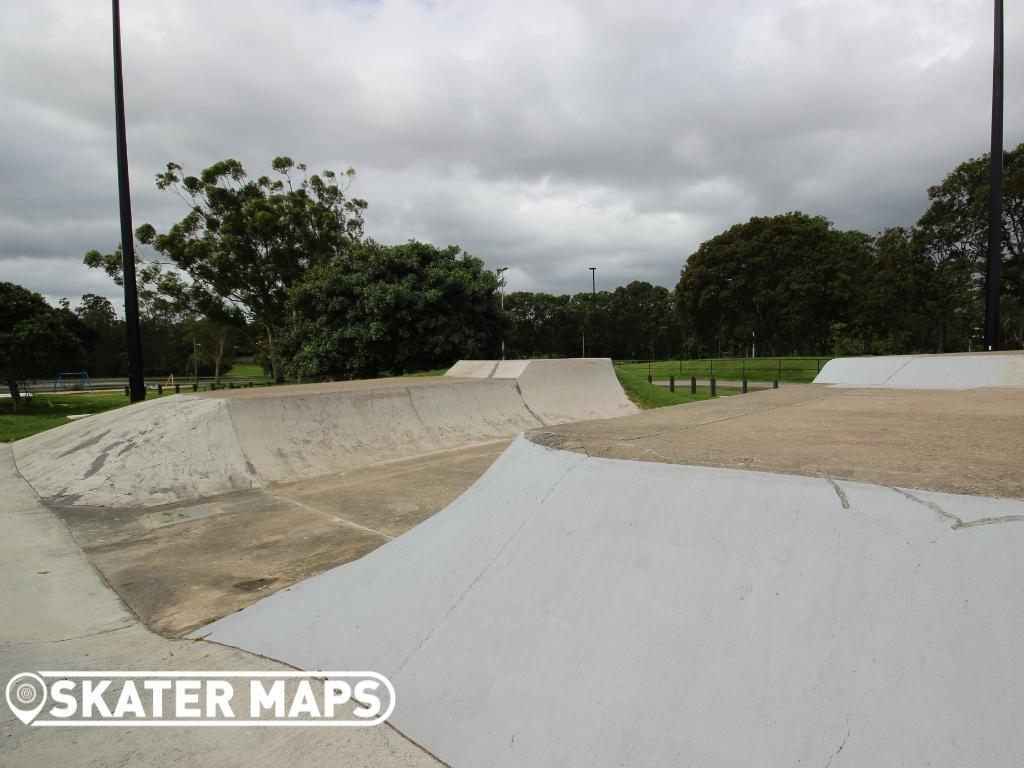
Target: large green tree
{"type": "Point", "coordinates": [34, 339]}
{"type": "Point", "coordinates": [245, 242]}
{"type": "Point", "coordinates": [399, 308]}
{"type": "Point", "coordinates": [953, 233]}
{"type": "Point", "coordinates": [781, 282]}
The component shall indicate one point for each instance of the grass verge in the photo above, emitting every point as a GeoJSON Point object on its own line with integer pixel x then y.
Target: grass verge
{"type": "Point", "coordinates": [796, 370]}
{"type": "Point", "coordinates": [645, 395]}
{"type": "Point", "coordinates": [45, 411]}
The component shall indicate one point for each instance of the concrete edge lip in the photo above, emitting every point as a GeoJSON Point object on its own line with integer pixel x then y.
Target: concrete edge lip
{"type": "Point", "coordinates": [941, 371]}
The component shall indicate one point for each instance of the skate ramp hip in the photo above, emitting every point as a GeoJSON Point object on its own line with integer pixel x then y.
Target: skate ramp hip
{"type": "Point", "coordinates": [186, 447]}
{"type": "Point", "coordinates": [572, 610]}
{"type": "Point", "coordinates": [945, 371]}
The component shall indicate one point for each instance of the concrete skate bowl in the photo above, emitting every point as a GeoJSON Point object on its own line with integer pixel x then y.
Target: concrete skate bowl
{"type": "Point", "coordinates": [576, 609]}
{"type": "Point", "coordinates": [187, 447]}
{"type": "Point", "coordinates": [947, 371]}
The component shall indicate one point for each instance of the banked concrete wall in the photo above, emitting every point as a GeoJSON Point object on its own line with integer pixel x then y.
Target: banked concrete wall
{"type": "Point", "coordinates": [950, 371]}
{"type": "Point", "coordinates": [186, 446]}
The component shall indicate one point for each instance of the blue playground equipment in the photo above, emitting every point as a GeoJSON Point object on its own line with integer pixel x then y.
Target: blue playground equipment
{"type": "Point", "coordinates": [76, 379]}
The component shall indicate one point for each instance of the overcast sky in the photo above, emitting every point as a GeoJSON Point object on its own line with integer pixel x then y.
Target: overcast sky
{"type": "Point", "coordinates": [548, 136]}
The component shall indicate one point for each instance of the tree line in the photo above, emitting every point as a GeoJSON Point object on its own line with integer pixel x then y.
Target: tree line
{"type": "Point", "coordinates": [278, 267]}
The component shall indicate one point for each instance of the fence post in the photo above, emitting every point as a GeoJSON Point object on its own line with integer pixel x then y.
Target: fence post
{"type": "Point", "coordinates": [671, 383]}
{"type": "Point", "coordinates": [712, 368]}
{"type": "Point", "coordinates": [693, 385]}
{"type": "Point", "coordinates": [714, 389]}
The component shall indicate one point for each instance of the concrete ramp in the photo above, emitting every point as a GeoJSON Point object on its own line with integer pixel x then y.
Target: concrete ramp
{"type": "Point", "coordinates": [572, 610]}
{"type": "Point", "coordinates": [949, 371]}
{"type": "Point", "coordinates": [190, 446]}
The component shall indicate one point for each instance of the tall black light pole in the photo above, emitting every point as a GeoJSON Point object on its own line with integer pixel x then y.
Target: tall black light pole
{"type": "Point", "coordinates": [136, 384]}
{"type": "Point", "coordinates": [995, 203]}
{"type": "Point", "coordinates": [593, 281]}
{"type": "Point", "coordinates": [501, 276]}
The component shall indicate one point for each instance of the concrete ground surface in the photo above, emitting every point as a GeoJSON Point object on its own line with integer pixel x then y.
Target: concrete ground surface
{"type": "Point", "coordinates": [58, 614]}
{"type": "Point", "coordinates": [582, 611]}
{"type": "Point", "coordinates": [964, 441]}
{"type": "Point", "coordinates": [815, 575]}
{"type": "Point", "coordinates": [183, 565]}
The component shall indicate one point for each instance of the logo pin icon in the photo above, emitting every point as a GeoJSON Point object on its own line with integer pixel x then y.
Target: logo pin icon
{"type": "Point", "coordinates": [26, 695]}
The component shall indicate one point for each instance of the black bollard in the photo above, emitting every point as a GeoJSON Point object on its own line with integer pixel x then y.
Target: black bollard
{"type": "Point", "coordinates": [650, 379]}
{"type": "Point", "coordinates": [177, 389]}
{"type": "Point", "coordinates": [744, 386]}
{"type": "Point", "coordinates": [714, 389]}
{"type": "Point", "coordinates": [775, 383]}
{"type": "Point", "coordinates": [671, 383]}
{"type": "Point", "coordinates": [126, 391]}
{"type": "Point", "coordinates": [159, 389]}
{"type": "Point", "coordinates": [195, 387]}
{"type": "Point", "coordinates": [693, 385]}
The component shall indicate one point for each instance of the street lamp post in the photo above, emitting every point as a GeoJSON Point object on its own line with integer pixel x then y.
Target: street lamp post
{"type": "Point", "coordinates": [501, 272]}
{"type": "Point", "coordinates": [995, 203]}
{"type": "Point", "coordinates": [136, 384]}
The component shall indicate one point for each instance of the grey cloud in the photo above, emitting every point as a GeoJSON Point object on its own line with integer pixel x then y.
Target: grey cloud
{"type": "Point", "coordinates": [549, 136]}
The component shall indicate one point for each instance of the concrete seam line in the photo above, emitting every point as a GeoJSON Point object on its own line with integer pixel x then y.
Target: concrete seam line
{"type": "Point", "coordinates": [241, 448]}
{"type": "Point", "coordinates": [335, 518]}
{"type": "Point", "coordinates": [526, 405]}
{"type": "Point", "coordinates": [906, 362]}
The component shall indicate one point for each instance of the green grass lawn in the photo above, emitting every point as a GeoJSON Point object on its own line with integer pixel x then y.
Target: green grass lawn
{"type": "Point", "coordinates": [797, 370]}
{"type": "Point", "coordinates": [246, 371]}
{"type": "Point", "coordinates": [46, 411]}
{"type": "Point", "coordinates": [634, 382]}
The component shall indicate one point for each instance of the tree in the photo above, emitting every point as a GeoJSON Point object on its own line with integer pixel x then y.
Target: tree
{"type": "Point", "coordinates": [246, 242]}
{"type": "Point", "coordinates": [954, 233]}
{"type": "Point", "coordinates": [396, 308]}
{"type": "Point", "coordinates": [34, 339]}
{"type": "Point", "coordinates": [783, 281]}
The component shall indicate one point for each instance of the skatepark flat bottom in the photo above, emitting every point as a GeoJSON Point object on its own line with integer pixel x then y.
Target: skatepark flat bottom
{"type": "Point", "coordinates": [181, 566]}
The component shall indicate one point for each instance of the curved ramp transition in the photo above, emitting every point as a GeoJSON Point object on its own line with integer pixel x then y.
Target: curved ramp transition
{"type": "Point", "coordinates": [572, 610]}
{"type": "Point", "coordinates": [191, 446]}
{"type": "Point", "coordinates": [946, 371]}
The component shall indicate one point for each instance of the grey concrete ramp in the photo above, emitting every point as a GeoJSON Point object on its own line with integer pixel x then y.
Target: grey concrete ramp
{"type": "Point", "coordinates": [946, 371]}
{"type": "Point", "coordinates": [586, 387]}
{"type": "Point", "coordinates": [154, 452]}
{"type": "Point", "coordinates": [572, 610]}
{"type": "Point", "coordinates": [186, 447]}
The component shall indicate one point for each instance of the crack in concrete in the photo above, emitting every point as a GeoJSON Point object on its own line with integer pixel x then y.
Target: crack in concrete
{"type": "Point", "coordinates": [839, 749]}
{"type": "Point", "coordinates": [839, 492]}
{"type": "Point", "coordinates": [958, 523]}
{"type": "Point", "coordinates": [487, 567]}
{"type": "Point", "coordinates": [81, 637]}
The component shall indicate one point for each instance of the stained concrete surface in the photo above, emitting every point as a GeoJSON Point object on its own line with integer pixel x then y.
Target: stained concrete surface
{"type": "Point", "coordinates": [181, 566]}
{"type": "Point", "coordinates": [572, 610]}
{"type": "Point", "coordinates": [58, 614]}
{"type": "Point", "coordinates": [966, 441]}
{"type": "Point", "coordinates": [185, 447]}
